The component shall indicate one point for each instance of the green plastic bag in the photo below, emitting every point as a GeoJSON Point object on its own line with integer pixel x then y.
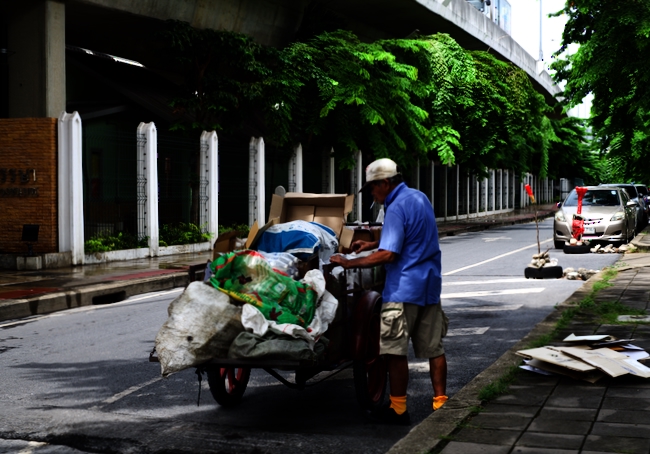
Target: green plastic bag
{"type": "Point", "coordinates": [246, 276]}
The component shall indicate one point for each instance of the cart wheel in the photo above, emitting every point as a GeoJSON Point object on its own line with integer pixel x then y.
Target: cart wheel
{"type": "Point", "coordinates": [371, 373]}
{"type": "Point", "coordinates": [227, 384]}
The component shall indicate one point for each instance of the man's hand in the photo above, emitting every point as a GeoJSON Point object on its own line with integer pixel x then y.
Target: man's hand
{"type": "Point", "coordinates": [360, 245]}
{"type": "Point", "coordinates": [340, 260]}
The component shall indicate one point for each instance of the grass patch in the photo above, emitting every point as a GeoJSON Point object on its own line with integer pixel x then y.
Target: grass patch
{"type": "Point", "coordinates": [499, 386]}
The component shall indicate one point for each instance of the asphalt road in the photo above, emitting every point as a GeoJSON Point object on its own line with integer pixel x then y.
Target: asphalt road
{"type": "Point", "coordinates": [79, 380]}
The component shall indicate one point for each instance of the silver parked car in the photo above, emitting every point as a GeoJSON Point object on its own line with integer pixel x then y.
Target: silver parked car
{"type": "Point", "coordinates": [607, 212]}
{"type": "Point", "coordinates": [632, 191]}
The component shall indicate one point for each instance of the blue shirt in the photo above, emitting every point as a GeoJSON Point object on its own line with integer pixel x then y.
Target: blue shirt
{"type": "Point", "coordinates": [410, 231]}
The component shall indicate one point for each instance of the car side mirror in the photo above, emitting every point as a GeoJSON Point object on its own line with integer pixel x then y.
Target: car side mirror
{"type": "Point", "coordinates": [559, 204]}
{"type": "Point", "coordinates": [632, 203]}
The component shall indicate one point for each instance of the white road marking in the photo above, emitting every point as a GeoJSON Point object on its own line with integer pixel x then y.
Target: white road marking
{"type": "Point", "coordinates": [506, 307]}
{"type": "Point", "coordinates": [491, 239]}
{"type": "Point", "coordinates": [496, 258]}
{"type": "Point", "coordinates": [490, 281]}
{"type": "Point", "coordinates": [513, 291]}
{"type": "Point", "coordinates": [420, 366]}
{"type": "Point", "coordinates": [91, 308]}
{"type": "Point", "coordinates": [467, 331]}
{"type": "Point", "coordinates": [29, 449]}
{"type": "Point", "coordinates": [125, 393]}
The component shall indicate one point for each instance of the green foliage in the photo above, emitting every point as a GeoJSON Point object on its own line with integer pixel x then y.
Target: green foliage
{"type": "Point", "coordinates": [242, 228]}
{"type": "Point", "coordinates": [225, 76]}
{"type": "Point", "coordinates": [121, 241]}
{"type": "Point", "coordinates": [407, 99]}
{"type": "Point", "coordinates": [182, 233]}
{"type": "Point", "coordinates": [612, 63]}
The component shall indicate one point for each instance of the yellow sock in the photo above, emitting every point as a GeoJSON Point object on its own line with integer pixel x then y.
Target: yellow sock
{"type": "Point", "coordinates": [439, 402]}
{"type": "Point", "coordinates": [398, 404]}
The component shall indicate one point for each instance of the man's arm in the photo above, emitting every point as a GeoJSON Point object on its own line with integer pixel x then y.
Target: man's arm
{"type": "Point", "coordinates": [380, 257]}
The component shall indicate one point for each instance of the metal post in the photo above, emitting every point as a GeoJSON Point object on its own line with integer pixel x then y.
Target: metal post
{"type": "Point", "coordinates": [256, 195]}
{"type": "Point", "coordinates": [210, 172]}
{"type": "Point", "coordinates": [149, 159]}
{"type": "Point", "coordinates": [70, 183]}
{"type": "Point", "coordinates": [295, 170]}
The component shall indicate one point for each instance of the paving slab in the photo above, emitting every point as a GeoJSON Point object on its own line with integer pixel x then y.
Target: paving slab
{"type": "Point", "coordinates": [560, 426]}
{"type": "Point", "coordinates": [626, 445]}
{"type": "Point", "coordinates": [456, 447]}
{"type": "Point", "coordinates": [500, 421]}
{"type": "Point", "coordinates": [625, 403]}
{"type": "Point", "coordinates": [494, 408]}
{"type": "Point", "coordinates": [551, 441]}
{"type": "Point", "coordinates": [572, 414]}
{"type": "Point", "coordinates": [488, 436]}
{"type": "Point", "coordinates": [624, 416]}
{"type": "Point", "coordinates": [621, 430]}
{"type": "Point", "coordinates": [535, 450]}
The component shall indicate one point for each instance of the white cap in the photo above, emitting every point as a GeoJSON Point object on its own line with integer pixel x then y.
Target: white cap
{"type": "Point", "coordinates": [379, 170]}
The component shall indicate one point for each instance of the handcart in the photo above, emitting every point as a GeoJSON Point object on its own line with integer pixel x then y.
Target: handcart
{"type": "Point", "coordinates": [353, 343]}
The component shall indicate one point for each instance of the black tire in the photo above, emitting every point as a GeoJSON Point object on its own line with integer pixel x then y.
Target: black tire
{"type": "Point", "coordinates": [371, 373]}
{"type": "Point", "coordinates": [549, 272]}
{"type": "Point", "coordinates": [630, 238]}
{"type": "Point", "coordinates": [582, 249]}
{"type": "Point", "coordinates": [227, 384]}
{"type": "Point", "coordinates": [558, 244]}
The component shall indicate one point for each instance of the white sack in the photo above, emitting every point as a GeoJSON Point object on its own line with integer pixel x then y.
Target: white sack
{"type": "Point", "coordinates": [202, 324]}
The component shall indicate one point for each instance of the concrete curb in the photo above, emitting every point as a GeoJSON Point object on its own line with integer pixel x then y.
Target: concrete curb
{"type": "Point", "coordinates": [426, 436]}
{"type": "Point", "coordinates": [642, 240]}
{"type": "Point", "coordinates": [98, 293]}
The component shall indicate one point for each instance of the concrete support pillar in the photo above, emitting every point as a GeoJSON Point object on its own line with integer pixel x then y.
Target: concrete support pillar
{"type": "Point", "coordinates": [210, 173]}
{"type": "Point", "coordinates": [148, 185]}
{"type": "Point", "coordinates": [256, 183]}
{"type": "Point", "coordinates": [70, 185]}
{"type": "Point", "coordinates": [295, 170]}
{"type": "Point", "coordinates": [36, 38]}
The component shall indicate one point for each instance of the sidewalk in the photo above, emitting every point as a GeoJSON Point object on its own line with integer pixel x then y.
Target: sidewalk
{"type": "Point", "coordinates": [553, 414]}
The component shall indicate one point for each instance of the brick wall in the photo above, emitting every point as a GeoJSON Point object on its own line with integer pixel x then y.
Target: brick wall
{"type": "Point", "coordinates": [27, 150]}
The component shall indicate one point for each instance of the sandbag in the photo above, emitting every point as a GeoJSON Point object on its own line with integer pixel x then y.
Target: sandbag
{"type": "Point", "coordinates": [202, 324]}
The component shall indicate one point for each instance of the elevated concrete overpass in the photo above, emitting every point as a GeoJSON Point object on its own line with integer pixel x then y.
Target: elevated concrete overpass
{"type": "Point", "coordinates": [37, 31]}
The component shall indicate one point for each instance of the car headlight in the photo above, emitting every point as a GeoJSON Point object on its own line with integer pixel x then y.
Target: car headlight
{"type": "Point", "coordinates": [618, 216]}
{"type": "Point", "coordinates": [559, 216]}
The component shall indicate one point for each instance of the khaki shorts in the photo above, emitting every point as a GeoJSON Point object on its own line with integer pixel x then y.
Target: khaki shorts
{"type": "Point", "coordinates": [424, 325]}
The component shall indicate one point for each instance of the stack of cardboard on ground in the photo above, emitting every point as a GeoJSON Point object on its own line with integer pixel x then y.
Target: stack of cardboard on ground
{"type": "Point", "coordinates": [588, 358]}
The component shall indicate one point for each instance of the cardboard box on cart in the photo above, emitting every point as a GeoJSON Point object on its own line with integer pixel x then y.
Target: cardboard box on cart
{"type": "Point", "coordinates": [327, 209]}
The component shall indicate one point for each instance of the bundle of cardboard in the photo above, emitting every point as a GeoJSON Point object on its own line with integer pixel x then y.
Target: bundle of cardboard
{"type": "Point", "coordinates": [588, 358]}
